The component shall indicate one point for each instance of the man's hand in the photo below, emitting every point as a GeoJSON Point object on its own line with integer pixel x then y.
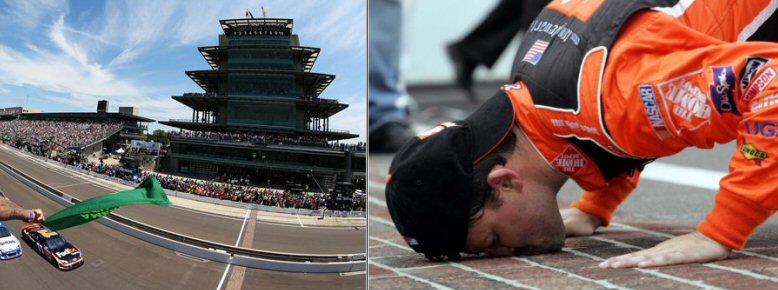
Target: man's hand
{"type": "Point", "coordinates": [579, 223]}
{"type": "Point", "coordinates": [11, 211]}
{"type": "Point", "coordinates": [690, 248]}
{"type": "Point", "coordinates": [37, 216]}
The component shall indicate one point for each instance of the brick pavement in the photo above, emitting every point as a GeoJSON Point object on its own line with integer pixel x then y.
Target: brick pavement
{"type": "Point", "coordinates": [393, 265]}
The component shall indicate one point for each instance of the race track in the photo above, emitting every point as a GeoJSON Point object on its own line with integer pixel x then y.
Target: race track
{"type": "Point", "coordinates": [116, 261]}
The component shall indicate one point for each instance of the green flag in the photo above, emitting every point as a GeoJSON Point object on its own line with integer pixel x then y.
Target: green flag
{"type": "Point", "coordinates": [148, 192]}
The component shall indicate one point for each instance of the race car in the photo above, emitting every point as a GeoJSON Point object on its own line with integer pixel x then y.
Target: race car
{"type": "Point", "coordinates": [52, 246]}
{"type": "Point", "coordinates": [9, 245]}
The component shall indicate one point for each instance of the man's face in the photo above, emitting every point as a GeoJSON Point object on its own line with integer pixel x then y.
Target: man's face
{"type": "Point", "coordinates": [525, 223]}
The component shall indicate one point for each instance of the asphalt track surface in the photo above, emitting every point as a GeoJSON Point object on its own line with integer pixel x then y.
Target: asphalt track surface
{"type": "Point", "coordinates": [672, 198]}
{"type": "Point", "coordinates": [116, 261]}
{"type": "Point", "coordinates": [207, 226]}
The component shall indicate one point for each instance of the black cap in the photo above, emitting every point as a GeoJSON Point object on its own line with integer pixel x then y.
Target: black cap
{"type": "Point", "coordinates": [430, 183]}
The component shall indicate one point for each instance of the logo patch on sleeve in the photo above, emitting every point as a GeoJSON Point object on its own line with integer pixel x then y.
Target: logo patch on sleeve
{"type": "Point", "coordinates": [750, 152]}
{"type": "Point", "coordinates": [535, 52]}
{"type": "Point", "coordinates": [722, 91]}
{"type": "Point", "coordinates": [759, 83]}
{"type": "Point", "coordinates": [654, 114]}
{"type": "Point", "coordinates": [753, 64]}
{"type": "Point", "coordinates": [570, 161]}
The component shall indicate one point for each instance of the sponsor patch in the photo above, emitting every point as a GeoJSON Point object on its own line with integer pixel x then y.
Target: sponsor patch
{"type": "Point", "coordinates": [753, 64]}
{"type": "Point", "coordinates": [750, 152]}
{"type": "Point", "coordinates": [759, 83]}
{"type": "Point", "coordinates": [764, 128]}
{"type": "Point", "coordinates": [570, 161]}
{"type": "Point", "coordinates": [765, 102]}
{"type": "Point", "coordinates": [535, 52]}
{"type": "Point", "coordinates": [575, 126]}
{"type": "Point", "coordinates": [722, 91]}
{"type": "Point", "coordinates": [653, 112]}
{"type": "Point", "coordinates": [686, 101]}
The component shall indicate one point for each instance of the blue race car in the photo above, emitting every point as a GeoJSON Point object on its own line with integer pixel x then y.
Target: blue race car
{"type": "Point", "coordinates": [9, 245]}
{"type": "Point", "coordinates": [52, 246]}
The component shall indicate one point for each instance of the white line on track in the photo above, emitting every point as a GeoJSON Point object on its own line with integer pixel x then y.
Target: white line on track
{"type": "Point", "coordinates": [69, 185]}
{"type": "Point", "coordinates": [299, 221]}
{"type": "Point", "coordinates": [237, 242]}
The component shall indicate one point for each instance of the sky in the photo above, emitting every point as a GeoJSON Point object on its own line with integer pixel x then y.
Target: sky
{"type": "Point", "coordinates": [64, 56]}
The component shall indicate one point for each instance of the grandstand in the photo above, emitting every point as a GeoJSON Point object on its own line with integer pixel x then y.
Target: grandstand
{"type": "Point", "coordinates": [261, 116]}
{"type": "Point", "coordinates": [83, 132]}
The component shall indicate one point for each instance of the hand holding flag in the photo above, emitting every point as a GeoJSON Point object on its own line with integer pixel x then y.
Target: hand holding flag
{"type": "Point", "coordinates": [148, 192]}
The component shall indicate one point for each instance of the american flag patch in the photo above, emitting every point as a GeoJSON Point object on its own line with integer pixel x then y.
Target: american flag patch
{"type": "Point", "coordinates": [535, 52]}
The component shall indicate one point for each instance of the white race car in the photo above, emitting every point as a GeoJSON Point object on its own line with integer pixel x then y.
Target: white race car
{"type": "Point", "coordinates": [9, 245]}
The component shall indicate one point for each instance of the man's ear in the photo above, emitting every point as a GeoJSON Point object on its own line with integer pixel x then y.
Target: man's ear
{"type": "Point", "coordinates": [502, 177]}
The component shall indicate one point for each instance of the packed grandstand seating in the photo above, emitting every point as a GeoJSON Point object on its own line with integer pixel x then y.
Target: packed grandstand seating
{"type": "Point", "coordinates": [43, 137]}
{"type": "Point", "coordinates": [221, 190]}
{"type": "Point", "coordinates": [46, 135]}
{"type": "Point", "coordinates": [258, 139]}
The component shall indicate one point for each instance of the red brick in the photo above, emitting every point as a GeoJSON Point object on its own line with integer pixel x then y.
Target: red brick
{"type": "Point", "coordinates": [377, 272]}
{"type": "Point", "coordinates": [393, 283]}
{"type": "Point", "coordinates": [410, 260]}
{"type": "Point", "coordinates": [458, 278]}
{"type": "Point", "coordinates": [388, 251]}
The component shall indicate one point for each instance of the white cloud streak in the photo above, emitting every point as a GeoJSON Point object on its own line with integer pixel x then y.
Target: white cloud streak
{"type": "Point", "coordinates": [98, 59]}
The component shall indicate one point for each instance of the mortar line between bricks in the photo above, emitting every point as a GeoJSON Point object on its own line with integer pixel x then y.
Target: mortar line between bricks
{"type": "Point", "coordinates": [742, 272]}
{"type": "Point", "coordinates": [493, 277]}
{"type": "Point", "coordinates": [649, 271]}
{"type": "Point", "coordinates": [617, 243]}
{"type": "Point", "coordinates": [660, 234]}
{"type": "Point", "coordinates": [380, 220]}
{"type": "Point", "coordinates": [376, 184]}
{"type": "Point", "coordinates": [388, 242]}
{"type": "Point", "coordinates": [466, 268]}
{"type": "Point", "coordinates": [375, 201]}
{"type": "Point", "coordinates": [603, 283]}
{"type": "Point", "coordinates": [709, 265]}
{"type": "Point", "coordinates": [382, 203]}
{"type": "Point", "coordinates": [410, 276]}
{"type": "Point", "coordinates": [578, 253]}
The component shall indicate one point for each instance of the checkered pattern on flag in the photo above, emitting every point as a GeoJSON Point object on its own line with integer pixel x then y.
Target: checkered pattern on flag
{"type": "Point", "coordinates": [535, 52]}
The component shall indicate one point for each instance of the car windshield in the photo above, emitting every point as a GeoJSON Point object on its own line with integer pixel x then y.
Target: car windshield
{"type": "Point", "coordinates": [55, 242]}
{"type": "Point", "coordinates": [4, 232]}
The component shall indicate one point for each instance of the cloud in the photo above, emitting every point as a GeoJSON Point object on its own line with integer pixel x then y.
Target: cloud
{"type": "Point", "coordinates": [75, 60]}
{"type": "Point", "coordinates": [31, 13]}
{"type": "Point", "coordinates": [60, 72]}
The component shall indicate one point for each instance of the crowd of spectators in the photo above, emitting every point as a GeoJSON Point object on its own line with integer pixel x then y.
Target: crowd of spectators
{"type": "Point", "coordinates": [56, 133]}
{"type": "Point", "coordinates": [234, 189]}
{"type": "Point", "coordinates": [43, 137]}
{"type": "Point", "coordinates": [277, 139]}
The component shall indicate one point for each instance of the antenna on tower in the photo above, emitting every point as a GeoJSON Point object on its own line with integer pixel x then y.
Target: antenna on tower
{"type": "Point", "coordinates": [264, 13]}
{"type": "Point", "coordinates": [248, 14]}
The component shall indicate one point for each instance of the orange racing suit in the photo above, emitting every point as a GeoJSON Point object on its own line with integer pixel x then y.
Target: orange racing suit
{"type": "Point", "coordinates": [673, 77]}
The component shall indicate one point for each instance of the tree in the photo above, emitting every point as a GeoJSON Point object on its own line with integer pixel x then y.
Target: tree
{"type": "Point", "coordinates": [161, 136]}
